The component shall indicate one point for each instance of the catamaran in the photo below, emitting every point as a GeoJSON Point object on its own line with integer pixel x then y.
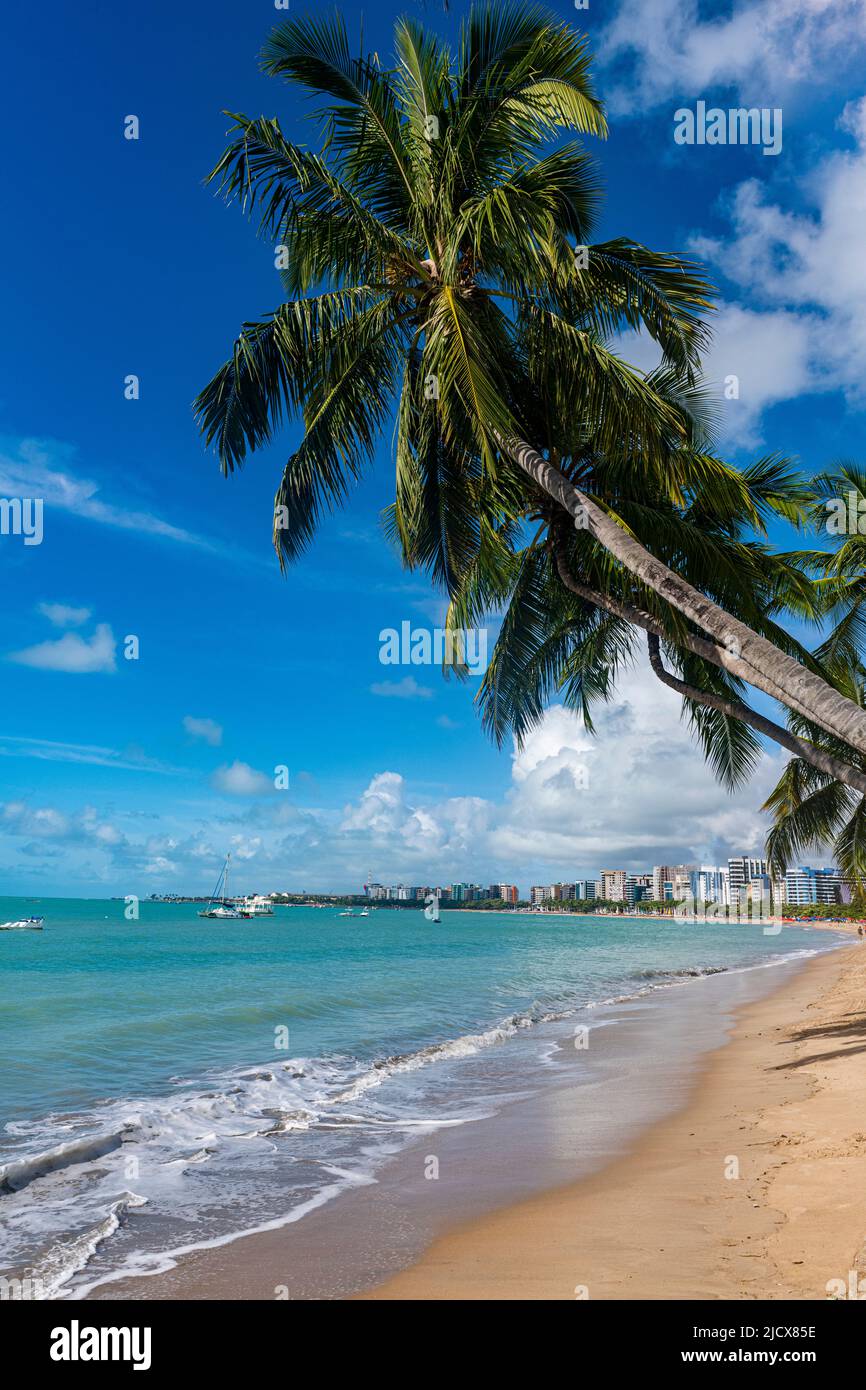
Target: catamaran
{"type": "Point", "coordinates": [24, 924]}
{"type": "Point", "coordinates": [220, 904]}
{"type": "Point", "coordinates": [431, 911]}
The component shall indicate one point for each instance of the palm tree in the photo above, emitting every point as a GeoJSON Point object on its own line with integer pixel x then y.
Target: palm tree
{"type": "Point", "coordinates": [571, 620]}
{"type": "Point", "coordinates": [812, 809]}
{"type": "Point", "coordinates": [442, 234]}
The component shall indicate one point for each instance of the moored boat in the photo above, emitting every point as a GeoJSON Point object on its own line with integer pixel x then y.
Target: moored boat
{"type": "Point", "coordinates": [220, 905]}
{"type": "Point", "coordinates": [24, 924]}
{"type": "Point", "coordinates": [255, 905]}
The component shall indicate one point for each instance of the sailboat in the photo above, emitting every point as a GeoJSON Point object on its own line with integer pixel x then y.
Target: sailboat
{"type": "Point", "coordinates": [431, 911]}
{"type": "Point", "coordinates": [220, 906]}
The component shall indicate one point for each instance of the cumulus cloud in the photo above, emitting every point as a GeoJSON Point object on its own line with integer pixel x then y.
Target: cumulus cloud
{"type": "Point", "coordinates": [49, 823]}
{"type": "Point", "coordinates": [62, 615]}
{"type": "Point", "coordinates": [799, 326]}
{"type": "Point", "coordinates": [759, 48]}
{"type": "Point", "coordinates": [406, 689]}
{"type": "Point", "coordinates": [635, 794]}
{"type": "Point", "coordinates": [205, 729]}
{"type": "Point", "coordinates": [239, 779]}
{"type": "Point", "coordinates": [806, 276]}
{"type": "Point", "coordinates": [71, 653]}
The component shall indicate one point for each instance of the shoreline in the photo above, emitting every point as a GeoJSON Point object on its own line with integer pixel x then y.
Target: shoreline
{"type": "Point", "coordinates": [754, 1189]}
{"type": "Point", "coordinates": [387, 1242]}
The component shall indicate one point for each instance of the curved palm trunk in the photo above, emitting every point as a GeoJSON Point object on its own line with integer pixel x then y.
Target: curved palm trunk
{"type": "Point", "coordinates": [638, 617]}
{"type": "Point", "coordinates": [769, 669]}
{"type": "Point", "coordinates": [735, 709]}
{"type": "Point", "coordinates": [801, 748]}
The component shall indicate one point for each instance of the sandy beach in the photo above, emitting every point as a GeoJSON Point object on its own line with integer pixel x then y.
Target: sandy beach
{"type": "Point", "coordinates": [743, 1174]}
{"type": "Point", "coordinates": [782, 1105]}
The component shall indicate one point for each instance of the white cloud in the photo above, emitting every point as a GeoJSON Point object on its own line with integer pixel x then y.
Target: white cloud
{"type": "Point", "coordinates": [636, 794]}
{"type": "Point", "coordinates": [406, 689]}
{"type": "Point", "coordinates": [239, 779]}
{"type": "Point", "coordinates": [129, 759]}
{"type": "Point", "coordinates": [804, 273]}
{"type": "Point", "coordinates": [639, 792]}
{"type": "Point", "coordinates": [206, 729]}
{"type": "Point", "coordinates": [39, 469]}
{"type": "Point", "coordinates": [800, 325]}
{"type": "Point", "coordinates": [760, 49]}
{"type": "Point", "coordinates": [61, 615]}
{"type": "Point", "coordinates": [756, 360]}
{"type": "Point", "coordinates": [71, 653]}
{"type": "Point", "coordinates": [48, 823]}
{"type": "Point", "coordinates": [245, 847]}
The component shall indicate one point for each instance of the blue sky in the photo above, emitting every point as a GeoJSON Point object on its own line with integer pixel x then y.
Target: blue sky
{"type": "Point", "coordinates": [119, 261]}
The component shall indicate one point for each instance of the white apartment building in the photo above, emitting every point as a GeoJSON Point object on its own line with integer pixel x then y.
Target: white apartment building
{"type": "Point", "coordinates": [747, 877]}
{"type": "Point", "coordinates": [807, 885]}
{"type": "Point", "coordinates": [709, 884]}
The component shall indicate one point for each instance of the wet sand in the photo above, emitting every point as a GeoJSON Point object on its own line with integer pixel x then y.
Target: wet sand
{"type": "Point", "coordinates": [650, 1133]}
{"type": "Point", "coordinates": [756, 1190]}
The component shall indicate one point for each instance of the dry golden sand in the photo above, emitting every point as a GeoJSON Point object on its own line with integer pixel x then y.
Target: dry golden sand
{"type": "Point", "coordinates": [785, 1099]}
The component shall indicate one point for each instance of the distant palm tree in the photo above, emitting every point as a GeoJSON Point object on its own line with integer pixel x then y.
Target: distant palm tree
{"type": "Point", "coordinates": [436, 263]}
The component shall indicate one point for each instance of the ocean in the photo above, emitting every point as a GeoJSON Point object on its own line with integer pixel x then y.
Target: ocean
{"type": "Point", "coordinates": [172, 1082]}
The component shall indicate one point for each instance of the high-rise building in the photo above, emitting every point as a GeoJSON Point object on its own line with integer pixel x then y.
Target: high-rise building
{"type": "Point", "coordinates": [808, 885]}
{"type": "Point", "coordinates": [662, 874]}
{"type": "Point", "coordinates": [637, 888]}
{"type": "Point", "coordinates": [613, 885]}
{"type": "Point", "coordinates": [537, 894]}
{"type": "Point", "coordinates": [561, 892]}
{"type": "Point", "coordinates": [509, 892]}
{"type": "Point", "coordinates": [709, 884]}
{"type": "Point", "coordinates": [671, 882]}
{"type": "Point", "coordinates": [747, 877]}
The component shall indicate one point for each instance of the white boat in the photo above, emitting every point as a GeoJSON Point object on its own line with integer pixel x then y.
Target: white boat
{"type": "Point", "coordinates": [220, 905]}
{"type": "Point", "coordinates": [256, 905]}
{"type": "Point", "coordinates": [364, 912]}
{"type": "Point", "coordinates": [347, 912]}
{"type": "Point", "coordinates": [24, 924]}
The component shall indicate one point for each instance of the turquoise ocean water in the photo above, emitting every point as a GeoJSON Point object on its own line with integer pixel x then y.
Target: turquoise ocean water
{"type": "Point", "coordinates": [170, 1082]}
